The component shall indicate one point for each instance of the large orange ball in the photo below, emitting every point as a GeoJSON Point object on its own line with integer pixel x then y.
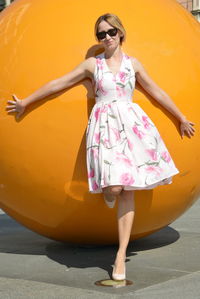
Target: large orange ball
{"type": "Point", "coordinates": [43, 176]}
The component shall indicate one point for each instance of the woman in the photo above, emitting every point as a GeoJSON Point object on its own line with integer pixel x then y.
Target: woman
{"type": "Point", "coordinates": [125, 151]}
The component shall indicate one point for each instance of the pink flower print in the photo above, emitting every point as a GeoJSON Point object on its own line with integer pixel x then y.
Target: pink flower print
{"type": "Point", "coordinates": [126, 179]}
{"type": "Point", "coordinates": [155, 169]}
{"type": "Point", "coordinates": [126, 56]}
{"type": "Point", "coordinates": [122, 76]}
{"type": "Point", "coordinates": [97, 137]}
{"type": "Point", "coordinates": [104, 109]}
{"type": "Point", "coordinates": [109, 105]}
{"type": "Point", "coordinates": [120, 91]}
{"type": "Point", "coordinates": [131, 108]}
{"type": "Point", "coordinates": [94, 185]}
{"type": "Point", "coordinates": [130, 145]}
{"type": "Point", "coordinates": [95, 152]}
{"type": "Point", "coordinates": [145, 122]}
{"type": "Point", "coordinates": [124, 159]}
{"type": "Point", "coordinates": [91, 173]}
{"type": "Point", "coordinates": [100, 63]}
{"type": "Point", "coordinates": [97, 111]}
{"type": "Point", "coordinates": [166, 156]}
{"type": "Point", "coordinates": [106, 142]}
{"type": "Point", "coordinates": [100, 87]}
{"type": "Point", "coordinates": [152, 153]}
{"type": "Point", "coordinates": [140, 134]}
{"type": "Point", "coordinates": [116, 133]}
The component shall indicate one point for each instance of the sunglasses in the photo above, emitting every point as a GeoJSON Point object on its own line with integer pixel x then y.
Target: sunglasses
{"type": "Point", "coordinates": [102, 34]}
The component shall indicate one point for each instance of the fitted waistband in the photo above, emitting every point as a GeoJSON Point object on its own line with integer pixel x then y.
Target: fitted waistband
{"type": "Point", "coordinates": [112, 100]}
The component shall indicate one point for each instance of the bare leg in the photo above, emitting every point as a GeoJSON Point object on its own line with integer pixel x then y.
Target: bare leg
{"type": "Point", "coordinates": [126, 207]}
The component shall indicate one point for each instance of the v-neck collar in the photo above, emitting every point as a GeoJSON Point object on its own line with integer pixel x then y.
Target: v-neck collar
{"type": "Point", "coordinates": [114, 75]}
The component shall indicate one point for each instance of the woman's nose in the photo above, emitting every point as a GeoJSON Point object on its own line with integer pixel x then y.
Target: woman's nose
{"type": "Point", "coordinates": [107, 36]}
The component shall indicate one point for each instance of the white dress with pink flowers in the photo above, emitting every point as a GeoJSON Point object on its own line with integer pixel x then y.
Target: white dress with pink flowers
{"type": "Point", "coordinates": [124, 146]}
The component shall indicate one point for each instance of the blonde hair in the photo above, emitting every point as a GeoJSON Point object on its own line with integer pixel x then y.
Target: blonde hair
{"type": "Point", "coordinates": [114, 21]}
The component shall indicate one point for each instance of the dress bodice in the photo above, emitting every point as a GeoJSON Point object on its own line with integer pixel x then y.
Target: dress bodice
{"type": "Point", "coordinates": [109, 86]}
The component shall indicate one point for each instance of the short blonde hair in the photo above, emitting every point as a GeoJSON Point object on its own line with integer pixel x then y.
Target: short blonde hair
{"type": "Point", "coordinates": [114, 21]}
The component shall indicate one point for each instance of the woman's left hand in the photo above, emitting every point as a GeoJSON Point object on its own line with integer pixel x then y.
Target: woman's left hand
{"type": "Point", "coordinates": [187, 126]}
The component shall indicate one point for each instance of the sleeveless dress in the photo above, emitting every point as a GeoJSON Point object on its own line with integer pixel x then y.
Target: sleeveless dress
{"type": "Point", "coordinates": [123, 146]}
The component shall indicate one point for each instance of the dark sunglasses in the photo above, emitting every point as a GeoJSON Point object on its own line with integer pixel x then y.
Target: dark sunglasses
{"type": "Point", "coordinates": [111, 32]}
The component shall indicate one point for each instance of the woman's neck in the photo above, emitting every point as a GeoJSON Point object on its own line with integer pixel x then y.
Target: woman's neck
{"type": "Point", "coordinates": [116, 53]}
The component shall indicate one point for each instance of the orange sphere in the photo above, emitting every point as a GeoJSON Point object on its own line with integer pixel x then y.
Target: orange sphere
{"type": "Point", "coordinates": [43, 177]}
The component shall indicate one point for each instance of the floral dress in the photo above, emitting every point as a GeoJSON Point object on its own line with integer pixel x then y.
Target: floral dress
{"type": "Point", "coordinates": [123, 146]}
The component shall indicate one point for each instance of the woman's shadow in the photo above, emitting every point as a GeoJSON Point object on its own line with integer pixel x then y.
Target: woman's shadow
{"type": "Point", "coordinates": [16, 239]}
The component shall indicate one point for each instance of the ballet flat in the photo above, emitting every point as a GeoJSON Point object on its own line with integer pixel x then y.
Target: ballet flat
{"type": "Point", "coordinates": [110, 204]}
{"type": "Point", "coordinates": [120, 276]}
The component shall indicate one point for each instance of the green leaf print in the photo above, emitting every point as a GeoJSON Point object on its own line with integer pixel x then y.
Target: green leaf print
{"type": "Point", "coordinates": [137, 124]}
{"type": "Point", "coordinates": [141, 165]}
{"type": "Point", "coordinates": [131, 86]}
{"type": "Point", "coordinates": [152, 163]}
{"type": "Point", "coordinates": [127, 69]}
{"type": "Point", "coordinates": [111, 115]}
{"type": "Point", "coordinates": [107, 162]}
{"type": "Point", "coordinates": [92, 146]}
{"type": "Point", "coordinates": [120, 84]}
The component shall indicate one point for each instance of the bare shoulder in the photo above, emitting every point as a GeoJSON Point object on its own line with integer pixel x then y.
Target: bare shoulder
{"type": "Point", "coordinates": [137, 65]}
{"type": "Point", "coordinates": [90, 65]}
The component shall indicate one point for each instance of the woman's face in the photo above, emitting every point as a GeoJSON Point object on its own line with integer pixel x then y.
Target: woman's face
{"type": "Point", "coordinates": [109, 42]}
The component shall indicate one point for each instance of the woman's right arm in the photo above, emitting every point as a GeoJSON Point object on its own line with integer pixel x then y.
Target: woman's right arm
{"type": "Point", "coordinates": [80, 72]}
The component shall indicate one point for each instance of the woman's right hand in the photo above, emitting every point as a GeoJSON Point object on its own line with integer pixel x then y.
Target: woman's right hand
{"type": "Point", "coordinates": [17, 106]}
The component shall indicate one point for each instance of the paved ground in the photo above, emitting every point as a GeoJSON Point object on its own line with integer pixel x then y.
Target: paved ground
{"type": "Point", "coordinates": [163, 265]}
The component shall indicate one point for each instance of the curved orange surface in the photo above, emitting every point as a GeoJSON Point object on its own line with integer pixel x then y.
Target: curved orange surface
{"type": "Point", "coordinates": [43, 178]}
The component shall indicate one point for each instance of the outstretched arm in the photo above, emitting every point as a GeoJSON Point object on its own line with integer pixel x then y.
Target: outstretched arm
{"type": "Point", "coordinates": [161, 96]}
{"type": "Point", "coordinates": [79, 73]}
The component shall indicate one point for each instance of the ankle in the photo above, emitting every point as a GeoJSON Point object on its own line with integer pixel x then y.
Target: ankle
{"type": "Point", "coordinates": [121, 253]}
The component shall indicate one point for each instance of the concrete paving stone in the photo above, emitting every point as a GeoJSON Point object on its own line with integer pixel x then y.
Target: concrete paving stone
{"type": "Point", "coordinates": [186, 287]}
{"type": "Point", "coordinates": [25, 289]}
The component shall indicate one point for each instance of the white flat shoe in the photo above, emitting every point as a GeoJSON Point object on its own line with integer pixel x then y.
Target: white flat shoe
{"type": "Point", "coordinates": [120, 276]}
{"type": "Point", "coordinates": [110, 204]}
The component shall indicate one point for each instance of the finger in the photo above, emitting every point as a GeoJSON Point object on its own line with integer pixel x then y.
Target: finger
{"type": "Point", "coordinates": [190, 134]}
{"type": "Point", "coordinates": [192, 129]}
{"type": "Point", "coordinates": [15, 98]}
{"type": "Point", "coordinates": [11, 102]}
{"type": "Point", "coordinates": [10, 106]}
{"type": "Point", "coordinates": [182, 131]}
{"type": "Point", "coordinates": [13, 110]}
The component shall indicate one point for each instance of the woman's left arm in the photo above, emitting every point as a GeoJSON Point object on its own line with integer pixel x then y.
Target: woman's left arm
{"type": "Point", "coordinates": [161, 97]}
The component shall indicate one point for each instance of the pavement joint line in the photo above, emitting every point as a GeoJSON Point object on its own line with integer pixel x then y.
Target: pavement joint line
{"type": "Point", "coordinates": [171, 269]}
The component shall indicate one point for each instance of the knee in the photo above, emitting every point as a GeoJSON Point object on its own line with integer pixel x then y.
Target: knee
{"type": "Point", "coordinates": [115, 190]}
